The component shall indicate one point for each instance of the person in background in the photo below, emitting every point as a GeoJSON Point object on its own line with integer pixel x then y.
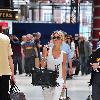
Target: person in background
{"type": "Point", "coordinates": [6, 66]}
{"type": "Point", "coordinates": [90, 42]}
{"type": "Point", "coordinates": [84, 53]}
{"type": "Point", "coordinates": [74, 58]}
{"type": "Point", "coordinates": [77, 62]}
{"type": "Point", "coordinates": [24, 39]}
{"type": "Point", "coordinates": [68, 40]}
{"type": "Point", "coordinates": [17, 55]}
{"type": "Point", "coordinates": [37, 43]}
{"type": "Point", "coordinates": [65, 47]}
{"type": "Point", "coordinates": [29, 54]}
{"type": "Point", "coordinates": [55, 57]}
{"type": "Point", "coordinates": [76, 41]}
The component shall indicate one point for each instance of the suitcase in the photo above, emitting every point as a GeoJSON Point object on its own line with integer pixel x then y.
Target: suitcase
{"type": "Point", "coordinates": [62, 95]}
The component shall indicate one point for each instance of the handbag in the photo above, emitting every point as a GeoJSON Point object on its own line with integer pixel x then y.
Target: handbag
{"type": "Point", "coordinates": [44, 77]}
{"type": "Point", "coordinates": [50, 77]}
{"type": "Point", "coordinates": [36, 76]}
{"type": "Point", "coordinates": [62, 95]}
{"type": "Point", "coordinates": [15, 93]}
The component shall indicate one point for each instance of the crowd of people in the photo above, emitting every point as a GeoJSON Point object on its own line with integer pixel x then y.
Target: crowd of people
{"type": "Point", "coordinates": [70, 53]}
{"type": "Point", "coordinates": [25, 52]}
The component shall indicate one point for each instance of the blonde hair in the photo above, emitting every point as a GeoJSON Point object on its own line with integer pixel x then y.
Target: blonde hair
{"type": "Point", "coordinates": [60, 33]}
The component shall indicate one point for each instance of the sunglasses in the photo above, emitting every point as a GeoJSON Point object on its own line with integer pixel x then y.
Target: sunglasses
{"type": "Point", "coordinates": [56, 37]}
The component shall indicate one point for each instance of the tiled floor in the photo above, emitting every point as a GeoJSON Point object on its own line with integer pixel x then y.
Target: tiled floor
{"type": "Point", "coordinates": [77, 88]}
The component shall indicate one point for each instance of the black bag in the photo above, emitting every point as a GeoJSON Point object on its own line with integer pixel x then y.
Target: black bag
{"type": "Point", "coordinates": [15, 94]}
{"type": "Point", "coordinates": [44, 77]}
{"type": "Point", "coordinates": [76, 64]}
{"type": "Point", "coordinates": [62, 95]}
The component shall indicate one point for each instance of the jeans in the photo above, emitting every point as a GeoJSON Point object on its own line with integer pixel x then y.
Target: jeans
{"type": "Point", "coordinates": [83, 62]}
{"type": "Point", "coordinates": [17, 60]}
{"type": "Point", "coordinates": [52, 93]}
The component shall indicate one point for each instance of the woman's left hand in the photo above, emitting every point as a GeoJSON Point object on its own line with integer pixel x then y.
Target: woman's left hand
{"type": "Point", "coordinates": [64, 85]}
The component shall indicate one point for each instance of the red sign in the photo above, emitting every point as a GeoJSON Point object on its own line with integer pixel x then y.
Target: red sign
{"type": "Point", "coordinates": [4, 24]}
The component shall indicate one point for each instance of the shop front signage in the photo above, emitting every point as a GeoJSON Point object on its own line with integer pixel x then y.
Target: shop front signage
{"type": "Point", "coordinates": [8, 15]}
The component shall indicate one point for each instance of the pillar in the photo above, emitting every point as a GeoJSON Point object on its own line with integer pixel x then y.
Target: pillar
{"type": "Point", "coordinates": [96, 22]}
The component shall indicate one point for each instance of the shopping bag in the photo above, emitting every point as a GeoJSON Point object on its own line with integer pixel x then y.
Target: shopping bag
{"type": "Point", "coordinates": [62, 95]}
{"type": "Point", "coordinates": [15, 93]}
{"type": "Point", "coordinates": [37, 62]}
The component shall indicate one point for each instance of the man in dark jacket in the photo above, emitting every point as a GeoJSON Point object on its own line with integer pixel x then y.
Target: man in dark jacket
{"type": "Point", "coordinates": [95, 76]}
{"type": "Point", "coordinates": [17, 56]}
{"type": "Point", "coordinates": [84, 52]}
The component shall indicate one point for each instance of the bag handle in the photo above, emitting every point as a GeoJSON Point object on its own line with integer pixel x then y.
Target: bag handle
{"type": "Point", "coordinates": [62, 92]}
{"type": "Point", "coordinates": [66, 92]}
{"type": "Point", "coordinates": [14, 88]}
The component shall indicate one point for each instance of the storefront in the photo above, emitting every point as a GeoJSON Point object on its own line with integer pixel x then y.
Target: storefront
{"type": "Point", "coordinates": [6, 19]}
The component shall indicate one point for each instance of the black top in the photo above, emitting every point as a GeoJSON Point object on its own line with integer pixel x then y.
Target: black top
{"type": "Point", "coordinates": [95, 57]}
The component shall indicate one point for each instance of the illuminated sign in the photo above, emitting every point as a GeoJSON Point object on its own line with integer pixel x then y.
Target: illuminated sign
{"type": "Point", "coordinates": [59, 1]}
{"type": "Point", "coordinates": [8, 15]}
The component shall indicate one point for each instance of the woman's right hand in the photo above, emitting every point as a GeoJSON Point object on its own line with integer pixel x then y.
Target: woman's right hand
{"type": "Point", "coordinates": [13, 78]}
{"type": "Point", "coordinates": [45, 51]}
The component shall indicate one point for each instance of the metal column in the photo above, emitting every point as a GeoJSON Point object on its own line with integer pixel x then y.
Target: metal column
{"type": "Point", "coordinates": [74, 12]}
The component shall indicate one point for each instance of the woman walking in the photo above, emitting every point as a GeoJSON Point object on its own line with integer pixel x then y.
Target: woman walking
{"type": "Point", "coordinates": [55, 58]}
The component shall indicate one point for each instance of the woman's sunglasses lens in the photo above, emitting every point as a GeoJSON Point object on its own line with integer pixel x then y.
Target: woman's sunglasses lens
{"type": "Point", "coordinates": [58, 38]}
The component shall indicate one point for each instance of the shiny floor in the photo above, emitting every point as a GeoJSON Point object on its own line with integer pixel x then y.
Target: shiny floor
{"type": "Point", "coordinates": [77, 87]}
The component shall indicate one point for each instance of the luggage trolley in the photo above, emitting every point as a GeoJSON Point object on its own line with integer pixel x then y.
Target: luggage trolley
{"type": "Point", "coordinates": [62, 95]}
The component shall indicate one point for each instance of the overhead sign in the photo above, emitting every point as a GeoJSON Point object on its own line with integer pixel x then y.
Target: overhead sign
{"type": "Point", "coordinates": [8, 15]}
